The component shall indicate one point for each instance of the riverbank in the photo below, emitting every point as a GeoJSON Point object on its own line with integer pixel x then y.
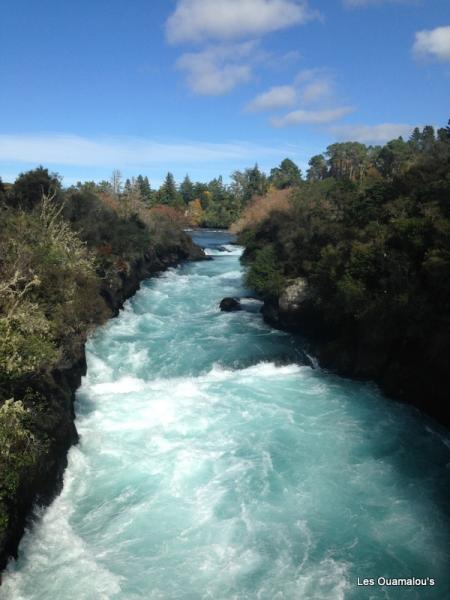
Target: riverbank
{"type": "Point", "coordinates": [48, 399]}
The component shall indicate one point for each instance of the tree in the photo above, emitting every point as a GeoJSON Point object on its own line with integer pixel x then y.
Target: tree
{"type": "Point", "coordinates": [318, 169]}
{"type": "Point", "coordinates": [195, 213]}
{"type": "Point", "coordinates": [428, 138]}
{"type": "Point", "coordinates": [394, 158]}
{"type": "Point", "coordinates": [105, 187]}
{"type": "Point", "coordinates": [201, 192]}
{"type": "Point", "coordinates": [415, 139]}
{"type": "Point", "coordinates": [145, 188]}
{"type": "Point", "coordinates": [29, 187]}
{"type": "Point", "coordinates": [2, 191]}
{"type": "Point", "coordinates": [116, 182]}
{"type": "Point", "coordinates": [132, 197]}
{"type": "Point", "coordinates": [127, 187]}
{"type": "Point", "coordinates": [187, 190]}
{"type": "Point", "coordinates": [168, 193]}
{"type": "Point", "coordinates": [286, 175]}
{"type": "Point", "coordinates": [347, 161]}
{"type": "Point", "coordinates": [251, 182]}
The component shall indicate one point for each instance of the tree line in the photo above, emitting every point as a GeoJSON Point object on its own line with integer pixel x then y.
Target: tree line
{"type": "Point", "coordinates": [211, 204]}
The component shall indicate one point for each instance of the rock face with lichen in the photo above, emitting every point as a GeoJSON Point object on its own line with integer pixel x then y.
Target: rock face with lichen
{"type": "Point", "coordinates": [292, 310]}
{"type": "Point", "coordinates": [293, 296]}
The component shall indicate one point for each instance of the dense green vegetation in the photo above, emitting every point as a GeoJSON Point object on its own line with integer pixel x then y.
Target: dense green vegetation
{"type": "Point", "coordinates": [64, 254]}
{"type": "Point", "coordinates": [369, 230]}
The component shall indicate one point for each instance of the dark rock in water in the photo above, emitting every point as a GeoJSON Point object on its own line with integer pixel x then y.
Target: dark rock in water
{"type": "Point", "coordinates": [230, 304]}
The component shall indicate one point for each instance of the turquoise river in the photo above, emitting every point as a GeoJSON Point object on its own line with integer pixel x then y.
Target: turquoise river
{"type": "Point", "coordinates": [215, 463]}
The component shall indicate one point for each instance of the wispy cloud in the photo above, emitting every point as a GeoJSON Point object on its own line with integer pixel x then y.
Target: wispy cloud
{"type": "Point", "coordinates": [371, 134]}
{"type": "Point", "coordinates": [311, 117]}
{"type": "Point", "coordinates": [72, 150]}
{"type": "Point", "coordinates": [434, 43]}
{"type": "Point", "coordinates": [218, 69]}
{"type": "Point", "coordinates": [203, 20]}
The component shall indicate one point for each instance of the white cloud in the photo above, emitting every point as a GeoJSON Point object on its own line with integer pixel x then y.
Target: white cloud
{"type": "Point", "coordinates": [218, 69]}
{"type": "Point", "coordinates": [281, 96]}
{"type": "Point", "coordinates": [316, 90]}
{"type": "Point", "coordinates": [434, 43]}
{"type": "Point", "coordinates": [309, 87]}
{"type": "Point", "coordinates": [122, 152]}
{"type": "Point", "coordinates": [371, 134]}
{"type": "Point", "coordinates": [200, 20]}
{"type": "Point", "coordinates": [311, 117]}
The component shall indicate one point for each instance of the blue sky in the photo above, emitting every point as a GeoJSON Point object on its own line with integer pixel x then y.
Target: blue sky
{"type": "Point", "coordinates": [210, 86]}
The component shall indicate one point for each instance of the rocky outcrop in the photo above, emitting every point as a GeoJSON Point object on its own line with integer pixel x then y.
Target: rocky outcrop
{"type": "Point", "coordinates": [53, 412]}
{"type": "Point", "coordinates": [294, 309]}
{"type": "Point", "coordinates": [230, 305]}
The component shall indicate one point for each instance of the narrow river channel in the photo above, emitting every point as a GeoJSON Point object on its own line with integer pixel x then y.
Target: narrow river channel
{"type": "Point", "coordinates": [214, 463]}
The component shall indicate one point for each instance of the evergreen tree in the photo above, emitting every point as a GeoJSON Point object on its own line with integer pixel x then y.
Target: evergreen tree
{"type": "Point", "coordinates": [428, 138]}
{"type": "Point", "coordinates": [286, 175]}
{"type": "Point", "coordinates": [29, 187]}
{"type": "Point", "coordinates": [187, 190]}
{"type": "Point", "coordinates": [144, 188]}
{"type": "Point", "coordinates": [168, 193]}
{"type": "Point", "coordinates": [127, 187]}
{"type": "Point", "coordinates": [415, 139]}
{"type": "Point", "coordinates": [251, 182]}
{"type": "Point", "coordinates": [318, 169]}
{"type": "Point", "coordinates": [395, 157]}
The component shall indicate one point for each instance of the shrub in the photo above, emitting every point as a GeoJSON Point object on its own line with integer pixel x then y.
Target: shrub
{"type": "Point", "coordinates": [261, 207]}
{"type": "Point", "coordinates": [265, 273]}
{"type": "Point", "coordinates": [20, 449]}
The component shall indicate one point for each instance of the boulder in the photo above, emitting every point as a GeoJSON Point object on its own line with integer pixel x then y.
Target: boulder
{"type": "Point", "coordinates": [230, 304]}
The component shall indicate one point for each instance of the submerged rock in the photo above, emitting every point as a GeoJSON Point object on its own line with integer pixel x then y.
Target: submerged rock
{"type": "Point", "coordinates": [230, 304]}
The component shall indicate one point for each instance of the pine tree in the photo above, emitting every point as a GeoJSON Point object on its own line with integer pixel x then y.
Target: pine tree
{"type": "Point", "coordinates": [187, 190]}
{"type": "Point", "coordinates": [168, 193]}
{"type": "Point", "coordinates": [286, 175]}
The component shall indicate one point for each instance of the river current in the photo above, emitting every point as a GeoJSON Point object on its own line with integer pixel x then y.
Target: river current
{"type": "Point", "coordinates": [215, 463]}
